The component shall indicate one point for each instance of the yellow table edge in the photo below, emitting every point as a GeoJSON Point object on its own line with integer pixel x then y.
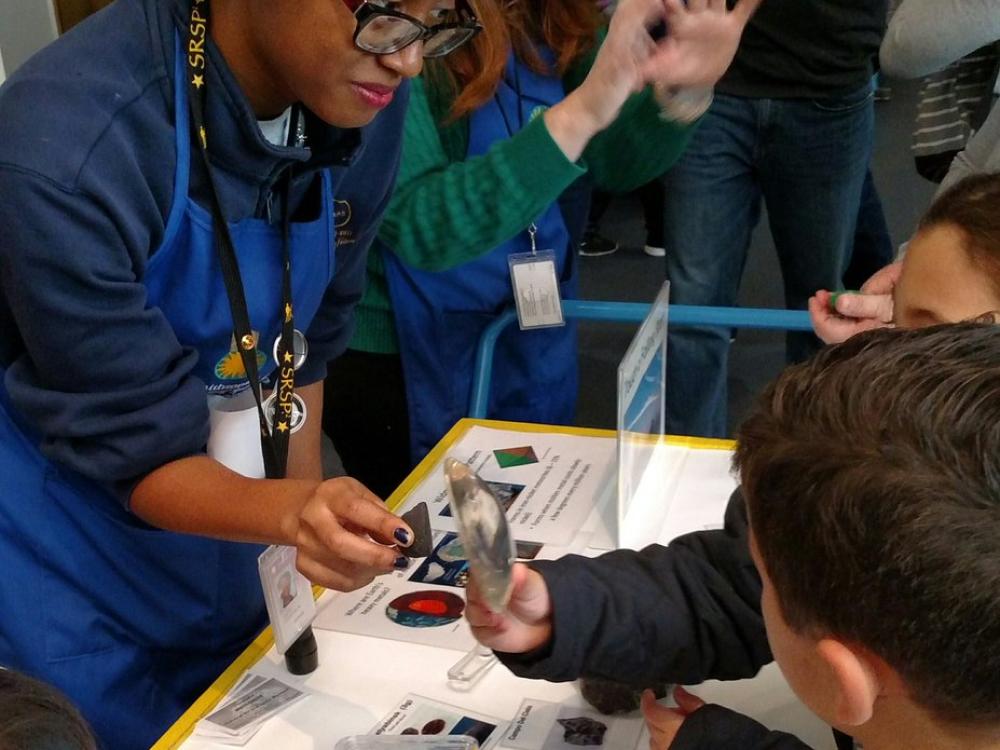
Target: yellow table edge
{"type": "Point", "coordinates": [184, 726]}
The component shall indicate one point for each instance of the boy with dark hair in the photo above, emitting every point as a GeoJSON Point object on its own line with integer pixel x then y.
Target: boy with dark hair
{"type": "Point", "coordinates": [872, 482]}
{"type": "Point", "coordinates": [36, 716]}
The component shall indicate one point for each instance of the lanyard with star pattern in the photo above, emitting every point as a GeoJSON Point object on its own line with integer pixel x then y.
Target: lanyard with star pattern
{"type": "Point", "coordinates": [275, 428]}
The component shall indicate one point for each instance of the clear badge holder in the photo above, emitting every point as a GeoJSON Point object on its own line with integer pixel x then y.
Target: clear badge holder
{"type": "Point", "coordinates": [535, 282]}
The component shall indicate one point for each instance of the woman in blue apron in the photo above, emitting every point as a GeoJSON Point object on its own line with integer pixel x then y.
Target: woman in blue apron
{"type": "Point", "coordinates": [497, 138]}
{"type": "Point", "coordinates": [175, 277]}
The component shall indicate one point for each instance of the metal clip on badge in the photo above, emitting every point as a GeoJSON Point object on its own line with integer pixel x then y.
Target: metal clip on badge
{"type": "Point", "coordinates": [532, 235]}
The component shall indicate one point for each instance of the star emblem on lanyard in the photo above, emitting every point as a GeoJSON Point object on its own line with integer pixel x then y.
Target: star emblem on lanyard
{"type": "Point", "coordinates": [289, 357]}
{"type": "Point", "coordinates": [282, 426]}
{"type": "Point", "coordinates": [198, 81]}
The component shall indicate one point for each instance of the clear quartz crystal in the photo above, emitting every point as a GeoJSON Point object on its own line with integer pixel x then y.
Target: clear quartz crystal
{"type": "Point", "coordinates": [484, 531]}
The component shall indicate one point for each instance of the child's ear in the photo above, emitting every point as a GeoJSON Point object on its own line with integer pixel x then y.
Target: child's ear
{"type": "Point", "coordinates": [855, 681]}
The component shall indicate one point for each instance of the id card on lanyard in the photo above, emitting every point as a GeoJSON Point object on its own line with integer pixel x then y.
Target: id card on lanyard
{"type": "Point", "coordinates": [536, 287]}
{"type": "Point", "coordinates": [533, 275]}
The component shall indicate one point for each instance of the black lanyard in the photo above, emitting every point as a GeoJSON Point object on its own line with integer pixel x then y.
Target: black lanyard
{"type": "Point", "coordinates": [274, 441]}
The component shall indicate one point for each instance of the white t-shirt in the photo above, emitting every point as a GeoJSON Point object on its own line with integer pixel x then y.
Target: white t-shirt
{"type": "Point", "coordinates": [276, 131]}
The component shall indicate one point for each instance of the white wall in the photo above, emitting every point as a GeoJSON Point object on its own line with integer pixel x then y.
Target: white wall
{"type": "Point", "coordinates": [2, 76]}
{"type": "Point", "coordinates": [25, 27]}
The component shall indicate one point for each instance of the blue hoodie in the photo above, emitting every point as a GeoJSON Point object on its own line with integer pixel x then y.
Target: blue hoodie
{"type": "Point", "coordinates": [87, 162]}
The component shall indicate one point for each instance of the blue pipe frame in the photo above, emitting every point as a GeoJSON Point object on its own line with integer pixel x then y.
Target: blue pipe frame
{"type": "Point", "coordinates": [681, 316]}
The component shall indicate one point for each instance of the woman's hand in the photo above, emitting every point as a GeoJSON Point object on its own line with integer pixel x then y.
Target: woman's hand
{"type": "Point", "coordinates": [700, 44]}
{"type": "Point", "coordinates": [664, 723]}
{"type": "Point", "coordinates": [616, 74]}
{"type": "Point", "coordinates": [527, 623]}
{"type": "Point", "coordinates": [334, 532]}
{"type": "Point", "coordinates": [854, 313]}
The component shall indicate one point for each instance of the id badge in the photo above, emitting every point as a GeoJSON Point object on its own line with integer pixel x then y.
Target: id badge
{"type": "Point", "coordinates": [287, 594]}
{"type": "Point", "coordinates": [536, 290]}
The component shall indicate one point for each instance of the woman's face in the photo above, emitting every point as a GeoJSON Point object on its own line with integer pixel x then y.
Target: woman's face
{"type": "Point", "coordinates": [307, 48]}
{"type": "Point", "coordinates": [940, 283]}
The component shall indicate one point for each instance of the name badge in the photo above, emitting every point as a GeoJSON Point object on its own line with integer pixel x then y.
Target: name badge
{"type": "Point", "coordinates": [536, 290]}
{"type": "Point", "coordinates": [287, 594]}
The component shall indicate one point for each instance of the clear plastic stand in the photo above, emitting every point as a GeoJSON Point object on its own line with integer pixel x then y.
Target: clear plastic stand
{"type": "Point", "coordinates": [471, 668]}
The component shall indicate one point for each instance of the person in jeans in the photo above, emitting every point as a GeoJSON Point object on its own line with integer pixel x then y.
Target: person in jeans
{"type": "Point", "coordinates": [792, 124]}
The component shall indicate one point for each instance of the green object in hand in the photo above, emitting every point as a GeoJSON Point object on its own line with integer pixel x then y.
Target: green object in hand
{"type": "Point", "coordinates": [836, 295]}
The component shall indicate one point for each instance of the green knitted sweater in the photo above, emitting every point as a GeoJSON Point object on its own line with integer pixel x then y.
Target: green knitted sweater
{"type": "Point", "coordinates": [445, 210]}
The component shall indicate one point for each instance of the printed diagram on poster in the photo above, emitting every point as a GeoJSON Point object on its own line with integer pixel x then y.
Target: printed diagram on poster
{"type": "Point", "coordinates": [393, 607]}
{"type": "Point", "coordinates": [416, 715]}
{"type": "Point", "coordinates": [424, 604]}
{"type": "Point", "coordinates": [540, 725]}
{"type": "Point", "coordinates": [548, 482]}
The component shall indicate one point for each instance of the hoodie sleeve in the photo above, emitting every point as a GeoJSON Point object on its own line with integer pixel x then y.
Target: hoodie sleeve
{"type": "Point", "coordinates": [684, 613]}
{"type": "Point", "coordinates": [717, 728]}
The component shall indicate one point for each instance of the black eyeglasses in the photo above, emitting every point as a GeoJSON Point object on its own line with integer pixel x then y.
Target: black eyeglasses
{"type": "Point", "coordinates": [383, 31]}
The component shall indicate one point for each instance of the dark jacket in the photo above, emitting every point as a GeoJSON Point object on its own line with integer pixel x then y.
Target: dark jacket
{"type": "Point", "coordinates": [684, 613]}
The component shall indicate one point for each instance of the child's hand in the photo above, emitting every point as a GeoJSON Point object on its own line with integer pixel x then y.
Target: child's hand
{"type": "Point", "coordinates": [872, 308]}
{"type": "Point", "coordinates": [664, 723]}
{"type": "Point", "coordinates": [527, 622]}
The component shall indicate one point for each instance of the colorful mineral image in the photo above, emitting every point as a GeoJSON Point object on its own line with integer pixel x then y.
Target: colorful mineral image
{"type": "Point", "coordinates": [583, 731]}
{"type": "Point", "coordinates": [425, 609]}
{"type": "Point", "coordinates": [445, 566]}
{"type": "Point", "coordinates": [508, 458]}
{"type": "Point", "coordinates": [478, 730]}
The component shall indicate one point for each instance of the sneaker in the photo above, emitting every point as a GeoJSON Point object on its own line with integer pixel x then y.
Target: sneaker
{"type": "Point", "coordinates": [654, 251]}
{"type": "Point", "coordinates": [594, 244]}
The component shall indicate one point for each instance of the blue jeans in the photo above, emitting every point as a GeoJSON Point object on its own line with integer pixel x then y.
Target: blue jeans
{"type": "Point", "coordinates": [807, 159]}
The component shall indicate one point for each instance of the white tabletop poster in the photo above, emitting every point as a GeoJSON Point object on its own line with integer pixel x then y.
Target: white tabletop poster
{"type": "Point", "coordinates": [548, 483]}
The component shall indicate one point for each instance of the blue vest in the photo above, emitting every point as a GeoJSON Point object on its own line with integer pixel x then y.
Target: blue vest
{"type": "Point", "coordinates": [134, 622]}
{"type": "Point", "coordinates": [440, 315]}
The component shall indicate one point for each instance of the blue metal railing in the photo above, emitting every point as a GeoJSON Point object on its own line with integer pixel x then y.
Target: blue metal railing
{"type": "Point", "coordinates": [630, 312]}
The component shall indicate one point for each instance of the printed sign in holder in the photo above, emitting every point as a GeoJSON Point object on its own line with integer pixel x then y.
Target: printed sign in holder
{"type": "Point", "coordinates": [645, 463]}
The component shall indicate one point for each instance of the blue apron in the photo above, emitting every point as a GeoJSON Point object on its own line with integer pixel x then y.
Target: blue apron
{"type": "Point", "coordinates": [441, 315]}
{"type": "Point", "coordinates": [130, 621]}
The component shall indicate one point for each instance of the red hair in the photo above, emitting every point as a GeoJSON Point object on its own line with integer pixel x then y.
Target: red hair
{"type": "Point", "coordinates": [473, 72]}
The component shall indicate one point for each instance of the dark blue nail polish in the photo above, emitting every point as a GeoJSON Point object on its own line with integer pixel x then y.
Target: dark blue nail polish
{"type": "Point", "coordinates": [401, 563]}
{"type": "Point", "coordinates": [402, 536]}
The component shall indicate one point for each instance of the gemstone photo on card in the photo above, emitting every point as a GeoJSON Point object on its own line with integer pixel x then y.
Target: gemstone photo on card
{"type": "Point", "coordinates": [583, 731]}
{"type": "Point", "coordinates": [442, 567]}
{"type": "Point", "coordinates": [475, 728]}
{"type": "Point", "coordinates": [425, 609]}
{"type": "Point", "coordinates": [508, 458]}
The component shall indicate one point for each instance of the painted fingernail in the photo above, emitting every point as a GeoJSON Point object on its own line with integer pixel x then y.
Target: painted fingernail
{"type": "Point", "coordinates": [402, 536]}
{"type": "Point", "coordinates": [401, 563]}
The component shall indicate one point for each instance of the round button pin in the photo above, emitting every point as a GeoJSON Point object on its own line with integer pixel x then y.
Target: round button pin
{"type": "Point", "coordinates": [294, 424]}
{"type": "Point", "coordinates": [300, 349]}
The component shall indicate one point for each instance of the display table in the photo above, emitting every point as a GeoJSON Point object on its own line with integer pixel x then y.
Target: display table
{"type": "Point", "coordinates": [362, 677]}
